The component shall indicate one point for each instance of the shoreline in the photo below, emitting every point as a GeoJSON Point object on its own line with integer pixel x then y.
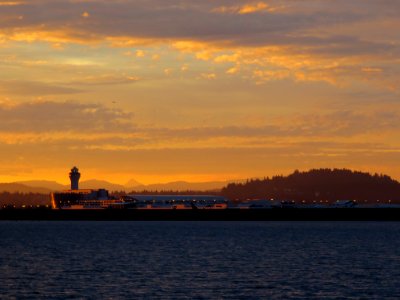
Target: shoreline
{"type": "Point", "coordinates": [289, 214]}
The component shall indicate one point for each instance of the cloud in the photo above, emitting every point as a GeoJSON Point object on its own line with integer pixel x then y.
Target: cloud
{"type": "Point", "coordinates": [291, 48]}
{"type": "Point", "coordinates": [333, 125]}
{"type": "Point", "coordinates": [209, 76]}
{"type": "Point", "coordinates": [168, 71]}
{"type": "Point", "coordinates": [35, 88]}
{"type": "Point", "coordinates": [140, 53]}
{"type": "Point", "coordinates": [112, 129]}
{"type": "Point", "coordinates": [11, 3]}
{"type": "Point", "coordinates": [46, 116]}
{"type": "Point", "coordinates": [42, 135]}
{"type": "Point", "coordinates": [299, 38]}
{"type": "Point", "coordinates": [106, 79]}
{"type": "Point", "coordinates": [247, 8]}
{"type": "Point", "coordinates": [157, 20]}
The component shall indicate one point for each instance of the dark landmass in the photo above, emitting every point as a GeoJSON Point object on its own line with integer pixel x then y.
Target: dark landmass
{"type": "Point", "coordinates": [319, 185]}
{"type": "Point", "coordinates": [279, 214]}
{"type": "Point", "coordinates": [23, 199]}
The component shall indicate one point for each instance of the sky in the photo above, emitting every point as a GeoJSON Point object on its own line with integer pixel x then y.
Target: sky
{"type": "Point", "coordinates": [193, 90]}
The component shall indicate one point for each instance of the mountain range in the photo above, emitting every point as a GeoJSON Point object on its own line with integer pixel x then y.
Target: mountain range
{"type": "Point", "coordinates": [46, 186]}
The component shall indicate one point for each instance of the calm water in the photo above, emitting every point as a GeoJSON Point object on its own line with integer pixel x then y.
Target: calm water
{"type": "Point", "coordinates": [199, 260]}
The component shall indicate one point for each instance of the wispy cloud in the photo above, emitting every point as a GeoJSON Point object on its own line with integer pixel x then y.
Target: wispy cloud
{"type": "Point", "coordinates": [248, 8]}
{"type": "Point", "coordinates": [35, 88]}
{"type": "Point", "coordinates": [106, 79]}
{"type": "Point", "coordinates": [71, 120]}
{"type": "Point", "coordinates": [47, 116]}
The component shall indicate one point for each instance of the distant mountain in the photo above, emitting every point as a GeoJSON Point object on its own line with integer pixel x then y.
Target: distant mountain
{"type": "Point", "coordinates": [50, 185]}
{"type": "Point", "coordinates": [22, 188]}
{"type": "Point", "coordinates": [46, 186]}
{"type": "Point", "coordinates": [132, 183]}
{"type": "Point", "coordinates": [100, 184]}
{"type": "Point", "coordinates": [85, 184]}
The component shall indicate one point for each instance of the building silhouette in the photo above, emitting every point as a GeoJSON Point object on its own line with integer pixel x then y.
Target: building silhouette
{"type": "Point", "coordinates": [74, 176]}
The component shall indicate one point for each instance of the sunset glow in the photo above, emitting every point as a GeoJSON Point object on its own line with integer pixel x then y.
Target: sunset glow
{"type": "Point", "coordinates": [165, 91]}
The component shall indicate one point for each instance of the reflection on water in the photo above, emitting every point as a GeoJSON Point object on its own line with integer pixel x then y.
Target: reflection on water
{"type": "Point", "coordinates": [200, 260]}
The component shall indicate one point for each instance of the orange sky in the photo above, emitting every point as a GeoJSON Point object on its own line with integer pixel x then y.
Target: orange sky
{"type": "Point", "coordinates": [197, 90]}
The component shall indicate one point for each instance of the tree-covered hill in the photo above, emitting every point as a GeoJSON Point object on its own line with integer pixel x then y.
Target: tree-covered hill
{"type": "Point", "coordinates": [318, 184]}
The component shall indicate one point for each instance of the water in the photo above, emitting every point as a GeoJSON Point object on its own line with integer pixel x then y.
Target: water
{"type": "Point", "coordinates": [199, 260]}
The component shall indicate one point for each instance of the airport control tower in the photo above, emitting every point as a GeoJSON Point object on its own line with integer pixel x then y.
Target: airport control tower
{"type": "Point", "coordinates": [74, 175]}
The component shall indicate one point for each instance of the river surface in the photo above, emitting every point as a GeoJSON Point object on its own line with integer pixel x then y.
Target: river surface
{"type": "Point", "coordinates": [199, 260]}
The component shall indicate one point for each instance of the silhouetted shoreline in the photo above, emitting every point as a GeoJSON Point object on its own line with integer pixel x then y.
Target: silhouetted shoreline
{"type": "Point", "coordinates": [292, 214]}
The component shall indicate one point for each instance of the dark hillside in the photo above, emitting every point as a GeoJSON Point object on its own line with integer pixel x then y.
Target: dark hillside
{"type": "Point", "coordinates": [23, 199]}
{"type": "Point", "coordinates": [317, 185]}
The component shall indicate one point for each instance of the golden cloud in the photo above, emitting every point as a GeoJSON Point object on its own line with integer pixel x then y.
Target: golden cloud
{"type": "Point", "coordinates": [105, 79]}
{"type": "Point", "coordinates": [247, 8]}
{"type": "Point", "coordinates": [209, 76]}
{"type": "Point", "coordinates": [42, 34]}
{"type": "Point", "coordinates": [263, 63]}
{"type": "Point", "coordinates": [12, 3]}
{"type": "Point", "coordinates": [303, 55]}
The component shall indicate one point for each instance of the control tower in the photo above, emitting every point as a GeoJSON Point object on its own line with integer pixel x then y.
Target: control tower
{"type": "Point", "coordinates": [74, 175]}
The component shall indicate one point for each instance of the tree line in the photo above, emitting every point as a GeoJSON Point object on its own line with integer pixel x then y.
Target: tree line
{"type": "Point", "coordinates": [23, 199]}
{"type": "Point", "coordinates": [318, 185]}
